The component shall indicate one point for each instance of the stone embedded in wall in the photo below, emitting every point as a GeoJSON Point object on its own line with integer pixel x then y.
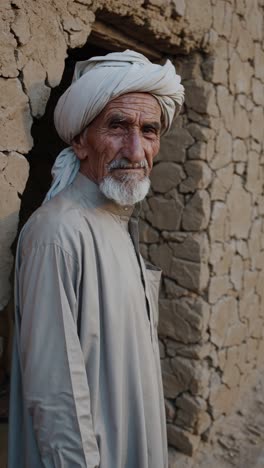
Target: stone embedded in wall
{"type": "Point", "coordinates": [189, 410]}
{"type": "Point", "coordinates": [256, 328]}
{"type": "Point", "coordinates": [190, 275]}
{"type": "Point", "coordinates": [242, 248]}
{"type": "Point", "coordinates": [15, 118]}
{"type": "Point", "coordinates": [202, 150]}
{"type": "Point", "coordinates": [239, 208]}
{"type": "Point", "coordinates": [16, 171]}
{"type": "Point", "coordinates": [245, 47]}
{"type": "Point", "coordinates": [215, 67]}
{"type": "Point", "coordinates": [217, 251]}
{"type": "Point", "coordinates": [170, 382]}
{"type": "Point", "coordinates": [222, 18]}
{"type": "Point", "coordinates": [257, 123]}
{"type": "Point", "coordinates": [236, 273]}
{"type": "Point", "coordinates": [218, 287]}
{"type": "Point", "coordinates": [8, 66]}
{"type": "Point", "coordinates": [185, 373]}
{"type": "Point", "coordinates": [236, 30]}
{"type": "Point", "coordinates": [194, 247]}
{"type": "Point", "coordinates": [203, 423]}
{"type": "Point", "coordinates": [188, 67]}
{"type": "Point", "coordinates": [222, 182]}
{"type": "Point", "coordinates": [239, 150]}
{"type": "Point", "coordinates": [250, 281]}
{"type": "Point", "coordinates": [185, 320]}
{"type": "Point", "coordinates": [221, 399]}
{"type": "Point", "coordinates": [200, 96]}
{"type": "Point", "coordinates": [221, 314]}
{"type": "Point", "coordinates": [196, 213]}
{"type": "Point", "coordinates": [223, 266]}
{"type": "Point", "coordinates": [147, 234]}
{"type": "Point", "coordinates": [161, 255]}
{"type": "Point", "coordinates": [194, 17]}
{"type": "Point", "coordinates": [173, 290]}
{"type": "Point", "coordinates": [165, 214]}
{"type": "Point", "coordinates": [225, 102]}
{"type": "Point", "coordinates": [236, 334]}
{"type": "Point", "coordinates": [182, 440]}
{"type": "Point", "coordinates": [77, 22]}
{"type": "Point", "coordinates": [174, 145]}
{"type": "Point", "coordinates": [254, 20]}
{"type": "Point", "coordinates": [34, 77]}
{"type": "Point", "coordinates": [252, 349]}
{"type": "Point", "coordinates": [201, 133]}
{"type": "Point", "coordinates": [240, 168]}
{"type": "Point", "coordinates": [13, 175]}
{"type": "Point", "coordinates": [223, 150]}
{"type": "Point", "coordinates": [240, 75]}
{"type": "Point", "coordinates": [257, 91]}
{"type": "Point", "coordinates": [241, 125]}
{"type": "Point", "coordinates": [218, 226]}
{"type": "Point", "coordinates": [231, 374]}
{"type": "Point", "coordinates": [21, 27]}
{"type": "Point", "coordinates": [193, 351]}
{"type": "Point", "coordinates": [199, 176]}
{"type": "Point", "coordinates": [178, 7]}
{"type": "Point", "coordinates": [258, 62]}
{"type": "Point", "coordinates": [198, 151]}
{"type": "Point", "coordinates": [165, 176]}
{"type": "Point", "coordinates": [254, 246]}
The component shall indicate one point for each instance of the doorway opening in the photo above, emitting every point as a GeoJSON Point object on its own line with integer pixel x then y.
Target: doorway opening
{"type": "Point", "coordinates": [47, 143]}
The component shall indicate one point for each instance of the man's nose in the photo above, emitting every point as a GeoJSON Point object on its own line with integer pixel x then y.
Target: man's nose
{"type": "Point", "coordinates": [135, 149]}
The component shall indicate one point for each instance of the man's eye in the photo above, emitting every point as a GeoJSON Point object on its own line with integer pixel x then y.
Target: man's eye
{"type": "Point", "coordinates": [150, 130]}
{"type": "Point", "coordinates": [115, 125]}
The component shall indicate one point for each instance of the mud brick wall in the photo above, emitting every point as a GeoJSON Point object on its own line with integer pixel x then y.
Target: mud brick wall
{"type": "Point", "coordinates": [202, 222]}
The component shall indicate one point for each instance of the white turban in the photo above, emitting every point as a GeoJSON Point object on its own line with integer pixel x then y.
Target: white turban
{"type": "Point", "coordinates": [96, 82]}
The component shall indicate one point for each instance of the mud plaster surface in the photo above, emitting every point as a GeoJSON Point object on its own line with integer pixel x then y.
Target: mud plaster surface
{"type": "Point", "coordinates": [238, 442]}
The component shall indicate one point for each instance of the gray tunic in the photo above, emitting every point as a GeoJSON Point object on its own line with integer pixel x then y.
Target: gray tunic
{"type": "Point", "coordinates": [86, 383]}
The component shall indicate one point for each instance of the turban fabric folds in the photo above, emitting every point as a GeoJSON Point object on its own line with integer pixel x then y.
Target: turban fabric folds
{"type": "Point", "coordinates": [98, 81]}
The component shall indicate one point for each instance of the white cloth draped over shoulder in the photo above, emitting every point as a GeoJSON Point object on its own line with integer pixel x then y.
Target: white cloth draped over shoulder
{"type": "Point", "coordinates": [96, 82]}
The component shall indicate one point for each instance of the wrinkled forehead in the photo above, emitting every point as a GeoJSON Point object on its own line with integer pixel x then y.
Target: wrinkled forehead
{"type": "Point", "coordinates": [130, 104]}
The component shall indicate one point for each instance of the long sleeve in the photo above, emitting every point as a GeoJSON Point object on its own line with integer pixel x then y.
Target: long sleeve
{"type": "Point", "coordinates": [54, 379]}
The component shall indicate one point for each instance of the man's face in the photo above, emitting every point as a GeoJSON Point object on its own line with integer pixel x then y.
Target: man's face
{"type": "Point", "coordinates": [122, 140]}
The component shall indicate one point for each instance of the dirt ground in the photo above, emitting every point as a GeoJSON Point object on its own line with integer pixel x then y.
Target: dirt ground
{"type": "Point", "coordinates": [236, 442]}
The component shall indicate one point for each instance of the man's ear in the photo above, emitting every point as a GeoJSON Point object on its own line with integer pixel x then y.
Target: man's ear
{"type": "Point", "coordinates": [79, 146]}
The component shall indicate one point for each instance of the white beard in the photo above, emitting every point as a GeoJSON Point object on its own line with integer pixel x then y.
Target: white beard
{"type": "Point", "coordinates": [128, 190]}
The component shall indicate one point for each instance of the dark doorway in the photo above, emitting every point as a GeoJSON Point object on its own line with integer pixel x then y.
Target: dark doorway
{"type": "Point", "coordinates": [47, 143]}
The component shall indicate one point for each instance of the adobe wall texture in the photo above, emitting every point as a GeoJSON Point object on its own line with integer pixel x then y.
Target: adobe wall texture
{"type": "Point", "coordinates": [203, 220]}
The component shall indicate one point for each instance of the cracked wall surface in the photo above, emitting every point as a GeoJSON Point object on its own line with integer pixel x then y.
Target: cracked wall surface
{"type": "Point", "coordinates": [202, 222]}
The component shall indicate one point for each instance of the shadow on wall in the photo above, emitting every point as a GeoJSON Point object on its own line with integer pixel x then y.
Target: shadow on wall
{"type": "Point", "coordinates": [47, 143]}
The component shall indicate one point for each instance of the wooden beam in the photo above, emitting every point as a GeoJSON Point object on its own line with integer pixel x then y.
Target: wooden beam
{"type": "Point", "coordinates": [103, 35]}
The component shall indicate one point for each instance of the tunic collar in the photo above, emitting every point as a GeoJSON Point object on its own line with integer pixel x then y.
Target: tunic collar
{"type": "Point", "coordinates": [91, 191]}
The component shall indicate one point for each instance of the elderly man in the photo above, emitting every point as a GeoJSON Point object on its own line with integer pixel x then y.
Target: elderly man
{"type": "Point", "coordinates": [86, 385]}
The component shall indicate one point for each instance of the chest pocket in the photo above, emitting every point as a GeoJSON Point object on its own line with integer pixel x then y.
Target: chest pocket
{"type": "Point", "coordinates": [153, 276]}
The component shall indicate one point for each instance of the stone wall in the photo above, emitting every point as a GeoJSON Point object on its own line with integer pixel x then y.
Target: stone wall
{"type": "Point", "coordinates": [203, 225]}
{"type": "Point", "coordinates": [203, 220]}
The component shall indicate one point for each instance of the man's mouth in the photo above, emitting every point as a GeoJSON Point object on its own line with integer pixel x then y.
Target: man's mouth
{"type": "Point", "coordinates": [123, 165]}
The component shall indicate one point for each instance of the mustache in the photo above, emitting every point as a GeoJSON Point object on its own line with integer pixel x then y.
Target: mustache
{"type": "Point", "coordinates": [125, 164]}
